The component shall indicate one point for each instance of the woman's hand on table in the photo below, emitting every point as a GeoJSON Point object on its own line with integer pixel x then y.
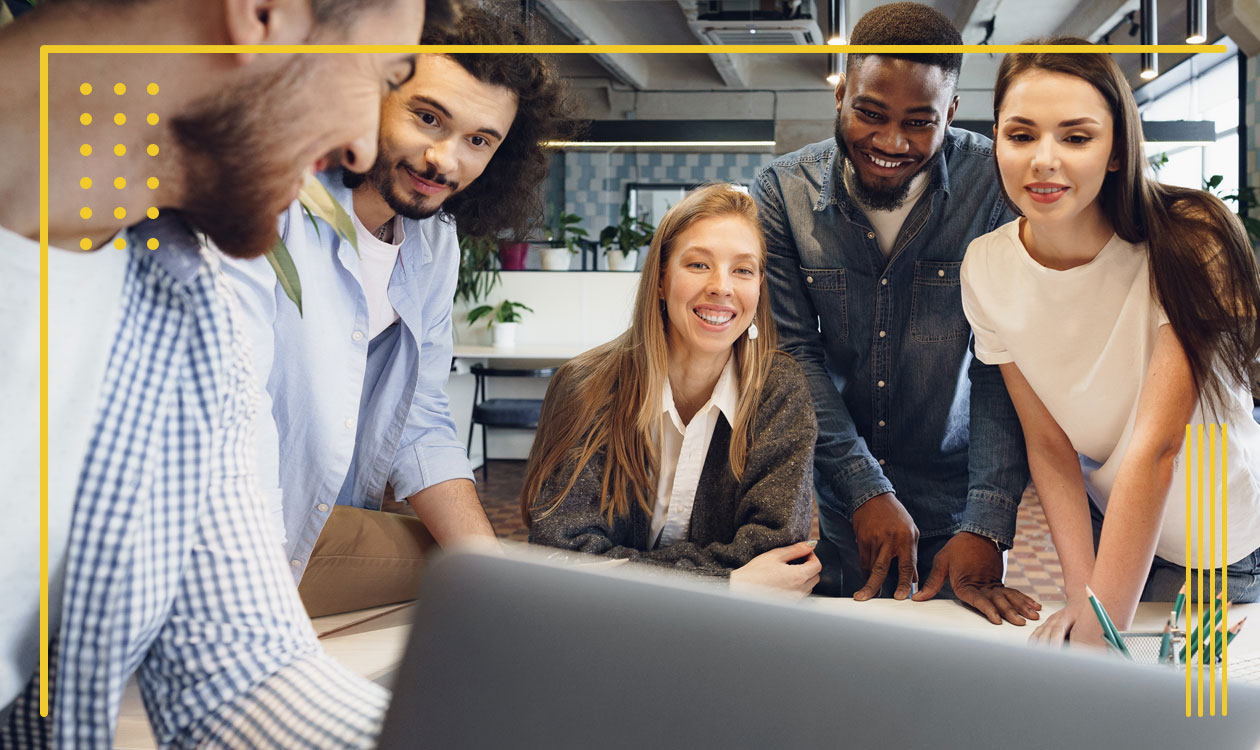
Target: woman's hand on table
{"type": "Point", "coordinates": [793, 569]}
{"type": "Point", "coordinates": [1075, 623]}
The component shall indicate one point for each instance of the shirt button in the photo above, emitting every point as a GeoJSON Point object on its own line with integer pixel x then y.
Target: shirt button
{"type": "Point", "coordinates": [881, 423]}
{"type": "Point", "coordinates": [883, 282]}
{"type": "Point", "coordinates": [940, 273]}
{"type": "Point", "coordinates": [357, 335]}
{"type": "Point", "coordinates": [809, 279]}
{"type": "Point", "coordinates": [870, 235]}
{"type": "Point", "coordinates": [322, 507]}
{"type": "Point", "coordinates": [880, 384]}
{"type": "Point", "coordinates": [881, 462]}
{"type": "Point", "coordinates": [882, 334]}
{"type": "Point", "coordinates": [295, 563]}
{"type": "Point", "coordinates": [349, 424]}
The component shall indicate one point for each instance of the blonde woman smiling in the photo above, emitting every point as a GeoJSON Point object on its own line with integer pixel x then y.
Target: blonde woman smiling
{"type": "Point", "coordinates": [1119, 310]}
{"type": "Point", "coordinates": [688, 441]}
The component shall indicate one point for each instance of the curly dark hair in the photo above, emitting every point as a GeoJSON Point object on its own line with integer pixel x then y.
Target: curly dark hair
{"type": "Point", "coordinates": [909, 23]}
{"type": "Point", "coordinates": [507, 196]}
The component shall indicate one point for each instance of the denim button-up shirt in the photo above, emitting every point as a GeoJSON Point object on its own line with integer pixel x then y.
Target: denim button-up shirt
{"type": "Point", "coordinates": [352, 414]}
{"type": "Point", "coordinates": [902, 405]}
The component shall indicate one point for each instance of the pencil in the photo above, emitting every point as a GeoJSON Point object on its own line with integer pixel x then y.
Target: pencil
{"type": "Point", "coordinates": [1201, 635]}
{"type": "Point", "coordinates": [1108, 627]}
{"type": "Point", "coordinates": [1165, 643]}
{"type": "Point", "coordinates": [1181, 602]}
{"type": "Point", "coordinates": [1233, 632]}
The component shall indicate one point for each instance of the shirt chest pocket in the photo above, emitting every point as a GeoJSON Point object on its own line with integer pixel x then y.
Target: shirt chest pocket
{"type": "Point", "coordinates": [936, 312]}
{"type": "Point", "coordinates": [827, 289]}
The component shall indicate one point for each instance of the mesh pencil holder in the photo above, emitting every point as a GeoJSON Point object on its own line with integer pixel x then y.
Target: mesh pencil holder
{"type": "Point", "coordinates": [1144, 645]}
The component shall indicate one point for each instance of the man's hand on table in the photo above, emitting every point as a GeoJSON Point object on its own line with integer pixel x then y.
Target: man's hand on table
{"type": "Point", "coordinates": [884, 530]}
{"type": "Point", "coordinates": [973, 565]}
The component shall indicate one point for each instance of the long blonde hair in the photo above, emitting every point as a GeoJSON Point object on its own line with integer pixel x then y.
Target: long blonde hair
{"type": "Point", "coordinates": [609, 398]}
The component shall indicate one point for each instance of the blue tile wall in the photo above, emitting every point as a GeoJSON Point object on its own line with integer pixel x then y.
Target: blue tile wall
{"type": "Point", "coordinates": [595, 183]}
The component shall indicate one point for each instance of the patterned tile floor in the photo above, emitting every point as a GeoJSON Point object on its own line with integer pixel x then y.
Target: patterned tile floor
{"type": "Point", "coordinates": [1032, 565]}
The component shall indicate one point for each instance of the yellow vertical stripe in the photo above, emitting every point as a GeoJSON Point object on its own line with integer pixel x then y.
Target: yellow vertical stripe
{"type": "Point", "coordinates": [1189, 497]}
{"type": "Point", "coordinates": [1198, 599]}
{"type": "Point", "coordinates": [1225, 569]}
{"type": "Point", "coordinates": [1210, 635]}
{"type": "Point", "coordinates": [43, 381]}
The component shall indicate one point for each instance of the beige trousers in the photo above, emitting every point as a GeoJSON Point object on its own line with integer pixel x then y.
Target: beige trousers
{"type": "Point", "coordinates": [364, 558]}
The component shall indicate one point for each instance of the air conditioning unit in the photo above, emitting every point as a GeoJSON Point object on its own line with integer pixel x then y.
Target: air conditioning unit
{"type": "Point", "coordinates": [789, 31]}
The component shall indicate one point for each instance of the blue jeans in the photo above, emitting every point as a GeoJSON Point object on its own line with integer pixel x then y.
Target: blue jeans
{"type": "Point", "coordinates": [1166, 577]}
{"type": "Point", "coordinates": [842, 574]}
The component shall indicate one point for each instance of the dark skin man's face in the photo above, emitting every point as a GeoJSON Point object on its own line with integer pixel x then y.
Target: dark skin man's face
{"type": "Point", "coordinates": [890, 123]}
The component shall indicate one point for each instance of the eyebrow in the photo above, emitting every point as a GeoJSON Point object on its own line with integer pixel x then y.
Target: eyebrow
{"type": "Point", "coordinates": [1064, 124]}
{"type": "Point", "coordinates": [422, 99]}
{"type": "Point", "coordinates": [872, 101]}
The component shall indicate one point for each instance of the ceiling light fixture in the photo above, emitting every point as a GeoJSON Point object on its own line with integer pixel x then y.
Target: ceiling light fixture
{"type": "Point", "coordinates": [835, 22]}
{"type": "Point", "coordinates": [833, 69]}
{"type": "Point", "coordinates": [1196, 21]}
{"type": "Point", "coordinates": [1150, 60]}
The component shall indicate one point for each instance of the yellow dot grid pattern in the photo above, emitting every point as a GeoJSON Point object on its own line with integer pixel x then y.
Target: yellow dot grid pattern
{"type": "Point", "coordinates": [152, 89]}
{"type": "Point", "coordinates": [120, 183]}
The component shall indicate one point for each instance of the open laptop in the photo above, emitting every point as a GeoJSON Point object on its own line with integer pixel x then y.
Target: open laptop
{"type": "Point", "coordinates": [520, 652]}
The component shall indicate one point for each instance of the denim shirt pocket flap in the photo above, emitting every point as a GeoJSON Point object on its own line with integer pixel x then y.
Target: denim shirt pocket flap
{"type": "Point", "coordinates": [827, 289]}
{"type": "Point", "coordinates": [936, 312]}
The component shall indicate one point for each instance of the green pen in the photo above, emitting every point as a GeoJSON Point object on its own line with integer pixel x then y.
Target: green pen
{"type": "Point", "coordinates": [1108, 627]}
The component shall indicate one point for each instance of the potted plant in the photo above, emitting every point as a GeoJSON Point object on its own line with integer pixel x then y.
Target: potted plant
{"type": "Point", "coordinates": [478, 272]}
{"type": "Point", "coordinates": [564, 239]}
{"type": "Point", "coordinates": [623, 240]}
{"type": "Point", "coordinates": [512, 254]}
{"type": "Point", "coordinates": [504, 318]}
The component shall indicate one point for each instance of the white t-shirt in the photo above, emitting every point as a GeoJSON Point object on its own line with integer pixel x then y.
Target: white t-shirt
{"type": "Point", "coordinates": [83, 314]}
{"type": "Point", "coordinates": [684, 448]}
{"type": "Point", "coordinates": [1083, 339]}
{"type": "Point", "coordinates": [376, 265]}
{"type": "Point", "coordinates": [887, 224]}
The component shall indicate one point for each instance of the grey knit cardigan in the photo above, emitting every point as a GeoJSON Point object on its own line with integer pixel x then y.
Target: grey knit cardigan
{"type": "Point", "coordinates": [732, 521]}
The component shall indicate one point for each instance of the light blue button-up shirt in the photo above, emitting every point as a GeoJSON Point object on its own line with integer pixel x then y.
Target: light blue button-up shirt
{"type": "Point", "coordinates": [352, 414]}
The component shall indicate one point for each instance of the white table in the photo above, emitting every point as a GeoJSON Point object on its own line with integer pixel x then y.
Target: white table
{"type": "Point", "coordinates": [371, 642]}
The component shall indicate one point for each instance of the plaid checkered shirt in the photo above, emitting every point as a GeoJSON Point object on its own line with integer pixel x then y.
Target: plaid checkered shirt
{"type": "Point", "coordinates": [172, 572]}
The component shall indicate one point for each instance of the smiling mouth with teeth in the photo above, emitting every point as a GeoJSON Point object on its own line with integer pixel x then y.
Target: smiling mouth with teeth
{"type": "Point", "coordinates": [713, 319]}
{"type": "Point", "coordinates": [886, 164]}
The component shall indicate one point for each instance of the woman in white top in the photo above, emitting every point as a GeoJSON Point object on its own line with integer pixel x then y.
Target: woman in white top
{"type": "Point", "coordinates": [687, 441]}
{"type": "Point", "coordinates": [1120, 310]}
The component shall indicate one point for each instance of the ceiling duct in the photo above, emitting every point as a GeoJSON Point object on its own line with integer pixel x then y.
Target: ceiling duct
{"type": "Point", "coordinates": [756, 22]}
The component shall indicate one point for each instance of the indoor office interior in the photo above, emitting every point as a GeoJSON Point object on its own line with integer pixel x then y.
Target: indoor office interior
{"type": "Point", "coordinates": [1199, 114]}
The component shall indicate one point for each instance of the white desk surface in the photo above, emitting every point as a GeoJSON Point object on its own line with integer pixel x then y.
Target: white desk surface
{"type": "Point", "coordinates": [540, 351]}
{"type": "Point", "coordinates": [371, 642]}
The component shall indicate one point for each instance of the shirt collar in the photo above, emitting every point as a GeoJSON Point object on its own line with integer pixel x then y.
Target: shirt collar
{"type": "Point", "coordinates": [833, 189]}
{"type": "Point", "coordinates": [724, 398]}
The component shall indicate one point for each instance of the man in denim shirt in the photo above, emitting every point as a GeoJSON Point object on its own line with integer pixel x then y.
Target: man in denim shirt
{"type": "Point", "coordinates": [920, 455]}
{"type": "Point", "coordinates": [357, 377]}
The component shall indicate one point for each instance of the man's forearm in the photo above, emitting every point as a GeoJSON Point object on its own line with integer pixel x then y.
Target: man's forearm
{"type": "Point", "coordinates": [997, 461]}
{"type": "Point", "coordinates": [452, 512]}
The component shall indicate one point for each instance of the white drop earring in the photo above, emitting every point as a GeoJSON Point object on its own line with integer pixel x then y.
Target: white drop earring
{"type": "Point", "coordinates": [752, 331]}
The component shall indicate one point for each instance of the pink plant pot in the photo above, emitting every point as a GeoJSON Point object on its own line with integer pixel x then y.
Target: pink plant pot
{"type": "Point", "coordinates": [512, 255]}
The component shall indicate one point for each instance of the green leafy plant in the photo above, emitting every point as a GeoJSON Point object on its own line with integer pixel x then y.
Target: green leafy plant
{"type": "Point", "coordinates": [478, 269]}
{"type": "Point", "coordinates": [1247, 196]}
{"type": "Point", "coordinates": [565, 231]}
{"type": "Point", "coordinates": [628, 234]}
{"type": "Point", "coordinates": [506, 311]}
{"type": "Point", "coordinates": [317, 202]}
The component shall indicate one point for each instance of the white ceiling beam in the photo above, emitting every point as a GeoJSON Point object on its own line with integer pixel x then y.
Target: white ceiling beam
{"type": "Point", "coordinates": [587, 25]}
{"type": "Point", "coordinates": [1091, 18]}
{"type": "Point", "coordinates": [969, 17]}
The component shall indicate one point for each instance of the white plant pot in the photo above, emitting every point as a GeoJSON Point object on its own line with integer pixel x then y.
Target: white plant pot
{"type": "Point", "coordinates": [619, 262]}
{"type": "Point", "coordinates": [503, 335]}
{"type": "Point", "coordinates": [556, 258]}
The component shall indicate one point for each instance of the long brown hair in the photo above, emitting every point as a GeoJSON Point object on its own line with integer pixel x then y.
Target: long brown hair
{"type": "Point", "coordinates": [609, 398]}
{"type": "Point", "coordinates": [1203, 269]}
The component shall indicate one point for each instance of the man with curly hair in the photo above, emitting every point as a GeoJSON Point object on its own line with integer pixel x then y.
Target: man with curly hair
{"type": "Point", "coordinates": [357, 376]}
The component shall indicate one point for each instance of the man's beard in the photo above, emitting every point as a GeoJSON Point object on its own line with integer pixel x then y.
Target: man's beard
{"type": "Point", "coordinates": [237, 178]}
{"type": "Point", "coordinates": [889, 198]}
{"type": "Point", "coordinates": [382, 178]}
